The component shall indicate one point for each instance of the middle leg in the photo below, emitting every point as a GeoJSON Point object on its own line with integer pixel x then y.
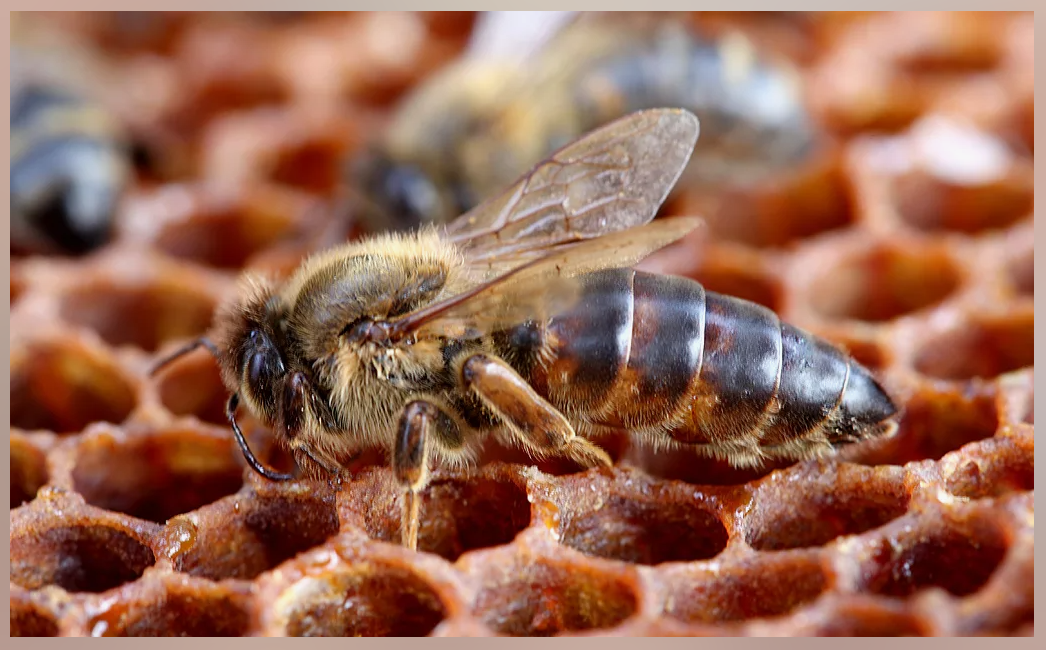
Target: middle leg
{"type": "Point", "coordinates": [422, 425]}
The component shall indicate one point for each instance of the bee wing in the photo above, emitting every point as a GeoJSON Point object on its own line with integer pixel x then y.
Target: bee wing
{"type": "Point", "coordinates": [610, 180]}
{"type": "Point", "coordinates": [539, 289]}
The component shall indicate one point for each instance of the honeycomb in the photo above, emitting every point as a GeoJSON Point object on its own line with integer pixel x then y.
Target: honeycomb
{"type": "Point", "coordinates": [908, 241]}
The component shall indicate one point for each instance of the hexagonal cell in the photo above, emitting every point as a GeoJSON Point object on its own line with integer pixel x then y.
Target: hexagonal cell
{"type": "Point", "coordinates": [302, 146]}
{"type": "Point", "coordinates": [537, 596]}
{"type": "Point", "coordinates": [932, 204]}
{"type": "Point", "coordinates": [633, 518]}
{"type": "Point", "coordinates": [220, 226]}
{"type": "Point", "coordinates": [991, 468]}
{"type": "Point", "coordinates": [884, 282]}
{"type": "Point", "coordinates": [460, 512]}
{"type": "Point", "coordinates": [721, 274]}
{"type": "Point", "coordinates": [155, 474]}
{"type": "Point", "coordinates": [755, 588]}
{"type": "Point", "coordinates": [813, 504]}
{"type": "Point", "coordinates": [61, 385]}
{"type": "Point", "coordinates": [28, 469]}
{"type": "Point", "coordinates": [364, 598]}
{"type": "Point", "coordinates": [931, 554]}
{"type": "Point", "coordinates": [31, 619]}
{"type": "Point", "coordinates": [645, 533]}
{"type": "Point", "coordinates": [981, 346]}
{"type": "Point", "coordinates": [938, 419]}
{"type": "Point", "coordinates": [145, 314]}
{"type": "Point", "coordinates": [870, 354]}
{"type": "Point", "coordinates": [85, 556]}
{"type": "Point", "coordinates": [814, 200]}
{"type": "Point", "coordinates": [193, 386]}
{"type": "Point", "coordinates": [244, 535]}
{"type": "Point", "coordinates": [173, 606]}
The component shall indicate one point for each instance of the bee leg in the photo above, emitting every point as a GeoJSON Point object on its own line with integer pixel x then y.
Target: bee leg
{"type": "Point", "coordinates": [333, 472]}
{"type": "Point", "coordinates": [410, 461]}
{"type": "Point", "coordinates": [535, 422]}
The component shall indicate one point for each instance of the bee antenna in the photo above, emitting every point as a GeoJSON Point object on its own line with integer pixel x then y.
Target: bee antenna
{"type": "Point", "coordinates": [256, 465]}
{"type": "Point", "coordinates": [202, 342]}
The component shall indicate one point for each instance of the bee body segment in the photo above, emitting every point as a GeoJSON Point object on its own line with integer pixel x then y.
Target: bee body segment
{"type": "Point", "coordinates": [661, 356]}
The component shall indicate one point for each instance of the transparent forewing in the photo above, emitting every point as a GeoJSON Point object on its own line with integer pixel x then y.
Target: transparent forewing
{"type": "Point", "coordinates": [610, 180]}
{"type": "Point", "coordinates": [541, 288]}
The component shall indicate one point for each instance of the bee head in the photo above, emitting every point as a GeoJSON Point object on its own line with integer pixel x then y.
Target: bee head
{"type": "Point", "coordinates": [250, 347]}
{"type": "Point", "coordinates": [394, 195]}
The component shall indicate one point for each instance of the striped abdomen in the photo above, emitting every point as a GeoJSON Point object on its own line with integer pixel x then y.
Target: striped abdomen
{"type": "Point", "coordinates": [659, 354]}
{"type": "Point", "coordinates": [68, 170]}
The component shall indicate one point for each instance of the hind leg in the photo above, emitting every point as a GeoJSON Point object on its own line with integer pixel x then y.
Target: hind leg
{"type": "Point", "coordinates": [535, 423]}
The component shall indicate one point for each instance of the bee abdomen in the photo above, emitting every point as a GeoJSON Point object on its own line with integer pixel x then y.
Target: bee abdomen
{"type": "Point", "coordinates": [67, 170]}
{"type": "Point", "coordinates": [658, 353]}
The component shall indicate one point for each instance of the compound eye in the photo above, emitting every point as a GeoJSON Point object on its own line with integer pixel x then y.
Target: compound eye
{"type": "Point", "coordinates": [258, 371]}
{"type": "Point", "coordinates": [263, 370]}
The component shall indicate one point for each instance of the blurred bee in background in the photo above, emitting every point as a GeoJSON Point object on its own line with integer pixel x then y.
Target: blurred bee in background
{"type": "Point", "coordinates": [532, 82]}
{"type": "Point", "coordinates": [69, 162]}
{"type": "Point", "coordinates": [521, 320]}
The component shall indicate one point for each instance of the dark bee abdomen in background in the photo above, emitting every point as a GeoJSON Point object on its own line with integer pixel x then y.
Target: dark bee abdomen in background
{"type": "Point", "coordinates": [67, 171]}
{"type": "Point", "coordinates": [645, 352]}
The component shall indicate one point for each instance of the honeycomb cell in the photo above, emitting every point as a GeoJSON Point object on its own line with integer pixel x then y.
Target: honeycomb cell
{"type": "Point", "coordinates": [883, 282]}
{"type": "Point", "coordinates": [957, 555]}
{"type": "Point", "coordinates": [79, 557]}
{"type": "Point", "coordinates": [31, 619]}
{"type": "Point", "coordinates": [143, 314]}
{"type": "Point", "coordinates": [221, 227]}
{"type": "Point", "coordinates": [244, 535]}
{"type": "Point", "coordinates": [759, 587]}
{"type": "Point", "coordinates": [991, 468]}
{"type": "Point", "coordinates": [459, 512]}
{"type": "Point", "coordinates": [155, 474]}
{"type": "Point", "coordinates": [366, 598]}
{"type": "Point", "coordinates": [301, 147]}
{"type": "Point", "coordinates": [741, 281]}
{"type": "Point", "coordinates": [62, 386]}
{"type": "Point", "coordinates": [173, 606]}
{"type": "Point", "coordinates": [653, 528]}
{"type": "Point", "coordinates": [982, 346]}
{"type": "Point", "coordinates": [193, 386]}
{"type": "Point", "coordinates": [28, 469]}
{"type": "Point", "coordinates": [936, 420]}
{"type": "Point", "coordinates": [869, 353]}
{"type": "Point", "coordinates": [813, 201]}
{"type": "Point", "coordinates": [810, 506]}
{"type": "Point", "coordinates": [931, 204]}
{"type": "Point", "coordinates": [543, 597]}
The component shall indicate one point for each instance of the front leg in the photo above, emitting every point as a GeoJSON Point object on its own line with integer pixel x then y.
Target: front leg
{"type": "Point", "coordinates": [410, 461]}
{"type": "Point", "coordinates": [535, 422]}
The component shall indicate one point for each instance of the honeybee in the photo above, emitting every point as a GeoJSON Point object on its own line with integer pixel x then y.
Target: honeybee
{"type": "Point", "coordinates": [522, 320]}
{"type": "Point", "coordinates": [70, 163]}
{"type": "Point", "coordinates": [478, 124]}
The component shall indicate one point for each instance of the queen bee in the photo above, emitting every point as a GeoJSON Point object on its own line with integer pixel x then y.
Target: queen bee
{"type": "Point", "coordinates": [523, 319]}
